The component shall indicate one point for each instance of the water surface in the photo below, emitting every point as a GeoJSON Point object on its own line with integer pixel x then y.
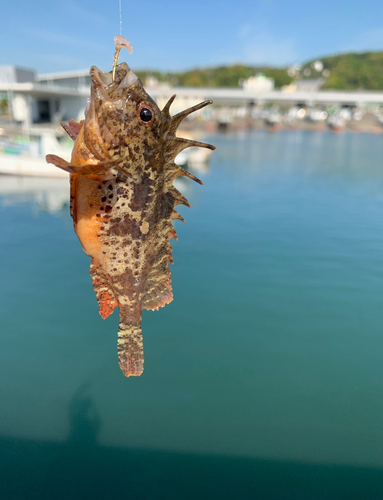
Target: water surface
{"type": "Point", "coordinates": [262, 379]}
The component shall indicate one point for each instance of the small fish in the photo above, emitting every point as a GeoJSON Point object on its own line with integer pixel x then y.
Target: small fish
{"type": "Point", "coordinates": [123, 199]}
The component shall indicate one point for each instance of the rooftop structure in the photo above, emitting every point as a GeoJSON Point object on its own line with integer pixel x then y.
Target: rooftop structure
{"type": "Point", "coordinates": [309, 84]}
{"type": "Point", "coordinates": [14, 74]}
{"type": "Point", "coordinates": [52, 98]}
{"type": "Point", "coordinates": [258, 83]}
{"type": "Point", "coordinates": [304, 85]}
{"type": "Point", "coordinates": [68, 79]}
{"type": "Point", "coordinates": [34, 99]}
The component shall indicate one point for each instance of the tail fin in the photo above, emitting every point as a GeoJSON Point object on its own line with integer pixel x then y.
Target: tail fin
{"type": "Point", "coordinates": [130, 349]}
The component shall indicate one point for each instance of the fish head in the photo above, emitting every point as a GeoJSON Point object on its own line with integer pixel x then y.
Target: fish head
{"type": "Point", "coordinates": [122, 122]}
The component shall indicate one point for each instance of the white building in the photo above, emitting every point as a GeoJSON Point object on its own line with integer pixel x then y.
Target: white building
{"type": "Point", "coordinates": [304, 85]}
{"type": "Point", "coordinates": [41, 100]}
{"type": "Point", "coordinates": [258, 83]}
{"type": "Point", "coordinates": [47, 99]}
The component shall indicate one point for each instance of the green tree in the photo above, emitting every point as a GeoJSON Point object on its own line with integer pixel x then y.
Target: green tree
{"type": "Point", "coordinates": [352, 71]}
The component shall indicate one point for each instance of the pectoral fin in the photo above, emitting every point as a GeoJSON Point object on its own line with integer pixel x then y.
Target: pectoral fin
{"type": "Point", "coordinates": [105, 297]}
{"type": "Point", "coordinates": [87, 169]}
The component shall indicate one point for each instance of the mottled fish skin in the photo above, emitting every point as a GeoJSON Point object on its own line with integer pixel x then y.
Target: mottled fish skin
{"type": "Point", "coordinates": [123, 199]}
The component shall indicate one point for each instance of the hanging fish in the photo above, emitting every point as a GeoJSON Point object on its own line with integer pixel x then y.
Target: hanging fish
{"type": "Point", "coordinates": [123, 201]}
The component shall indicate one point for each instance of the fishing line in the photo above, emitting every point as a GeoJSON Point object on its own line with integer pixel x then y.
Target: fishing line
{"type": "Point", "coordinates": [119, 42]}
{"type": "Point", "coordinates": [119, 3]}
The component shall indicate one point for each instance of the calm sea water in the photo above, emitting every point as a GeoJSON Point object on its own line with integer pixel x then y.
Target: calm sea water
{"type": "Point", "coordinates": [263, 378]}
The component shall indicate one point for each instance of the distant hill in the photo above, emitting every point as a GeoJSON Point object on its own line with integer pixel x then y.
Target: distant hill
{"type": "Point", "coordinates": [222, 76]}
{"type": "Point", "coordinates": [351, 71]}
{"type": "Point", "coordinates": [344, 71]}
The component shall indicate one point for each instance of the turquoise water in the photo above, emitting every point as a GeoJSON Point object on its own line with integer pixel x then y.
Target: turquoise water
{"type": "Point", "coordinates": [263, 378]}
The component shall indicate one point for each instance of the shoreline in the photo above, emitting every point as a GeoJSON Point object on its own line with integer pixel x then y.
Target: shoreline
{"type": "Point", "coordinates": [368, 124]}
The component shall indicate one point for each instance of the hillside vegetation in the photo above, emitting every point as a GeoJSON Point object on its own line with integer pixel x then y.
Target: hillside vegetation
{"type": "Point", "coordinates": [344, 71]}
{"type": "Point", "coordinates": [222, 76]}
{"type": "Point", "coordinates": [353, 71]}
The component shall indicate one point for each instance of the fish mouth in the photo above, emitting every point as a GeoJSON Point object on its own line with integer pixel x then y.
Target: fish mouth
{"type": "Point", "coordinates": [124, 78]}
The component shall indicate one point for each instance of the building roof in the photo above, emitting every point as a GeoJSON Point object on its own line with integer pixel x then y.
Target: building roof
{"type": "Point", "coordinates": [15, 74]}
{"type": "Point", "coordinates": [63, 74]}
{"type": "Point", "coordinates": [39, 90]}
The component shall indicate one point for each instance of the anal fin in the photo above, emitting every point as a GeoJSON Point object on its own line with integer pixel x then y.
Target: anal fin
{"type": "Point", "coordinates": [104, 295]}
{"type": "Point", "coordinates": [158, 289]}
{"type": "Point", "coordinates": [157, 294]}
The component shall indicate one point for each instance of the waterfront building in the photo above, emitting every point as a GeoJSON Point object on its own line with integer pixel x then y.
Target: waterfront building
{"type": "Point", "coordinates": [37, 100]}
{"type": "Point", "coordinates": [258, 83]}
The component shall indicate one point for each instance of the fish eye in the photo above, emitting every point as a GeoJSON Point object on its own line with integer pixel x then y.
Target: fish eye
{"type": "Point", "coordinates": [145, 114]}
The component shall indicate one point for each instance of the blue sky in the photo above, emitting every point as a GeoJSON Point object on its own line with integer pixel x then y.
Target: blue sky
{"type": "Point", "coordinates": [60, 35]}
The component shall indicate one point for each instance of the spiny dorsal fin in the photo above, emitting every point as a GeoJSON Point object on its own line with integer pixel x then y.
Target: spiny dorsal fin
{"type": "Point", "coordinates": [176, 216]}
{"type": "Point", "coordinates": [179, 198]}
{"type": "Point", "coordinates": [172, 233]}
{"type": "Point", "coordinates": [173, 122]}
{"type": "Point", "coordinates": [166, 110]}
{"type": "Point", "coordinates": [173, 171]}
{"type": "Point", "coordinates": [158, 291]}
{"type": "Point", "coordinates": [175, 145]}
{"type": "Point", "coordinates": [177, 119]}
{"type": "Point", "coordinates": [72, 128]}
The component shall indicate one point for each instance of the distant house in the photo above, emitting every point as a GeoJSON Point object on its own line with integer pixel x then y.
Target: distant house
{"type": "Point", "coordinates": [51, 98]}
{"type": "Point", "coordinates": [43, 99]}
{"type": "Point", "coordinates": [70, 79]}
{"type": "Point", "coordinates": [257, 83]}
{"type": "Point", "coordinates": [309, 84]}
{"type": "Point", "coordinates": [304, 85]}
{"type": "Point", "coordinates": [14, 74]}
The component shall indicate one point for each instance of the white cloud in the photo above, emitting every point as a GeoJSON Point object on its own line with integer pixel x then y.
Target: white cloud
{"type": "Point", "coordinates": [67, 40]}
{"type": "Point", "coordinates": [60, 62]}
{"type": "Point", "coordinates": [259, 43]}
{"type": "Point", "coordinates": [80, 12]}
{"type": "Point", "coordinates": [369, 40]}
{"type": "Point", "coordinates": [266, 48]}
{"type": "Point", "coordinates": [245, 30]}
{"type": "Point", "coordinates": [364, 41]}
